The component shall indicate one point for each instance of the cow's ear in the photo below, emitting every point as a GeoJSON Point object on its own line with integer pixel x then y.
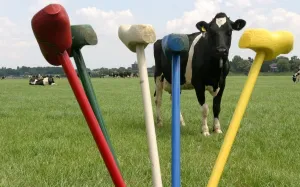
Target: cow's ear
{"type": "Point", "coordinates": [238, 25]}
{"type": "Point", "coordinates": [202, 26]}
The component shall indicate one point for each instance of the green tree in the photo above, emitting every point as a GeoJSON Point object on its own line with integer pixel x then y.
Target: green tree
{"type": "Point", "coordinates": [234, 64]}
{"type": "Point", "coordinates": [244, 65]}
{"type": "Point", "coordinates": [266, 66]}
{"type": "Point", "coordinates": [294, 63]}
{"type": "Point", "coordinates": [283, 65]}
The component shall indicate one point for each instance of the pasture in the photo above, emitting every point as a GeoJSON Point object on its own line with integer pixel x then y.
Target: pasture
{"type": "Point", "coordinates": [45, 141]}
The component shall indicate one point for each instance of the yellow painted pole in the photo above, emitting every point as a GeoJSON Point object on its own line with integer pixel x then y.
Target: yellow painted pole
{"type": "Point", "coordinates": [267, 46]}
{"type": "Point", "coordinates": [235, 122]}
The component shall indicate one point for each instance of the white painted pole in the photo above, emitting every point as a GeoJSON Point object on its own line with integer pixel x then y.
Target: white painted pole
{"type": "Point", "coordinates": [136, 38]}
{"type": "Point", "coordinates": [148, 112]}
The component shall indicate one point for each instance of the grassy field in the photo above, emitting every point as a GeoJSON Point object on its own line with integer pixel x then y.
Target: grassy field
{"type": "Point", "coordinates": [45, 141]}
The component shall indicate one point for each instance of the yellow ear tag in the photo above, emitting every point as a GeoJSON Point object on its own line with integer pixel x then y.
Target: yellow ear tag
{"type": "Point", "coordinates": [203, 29]}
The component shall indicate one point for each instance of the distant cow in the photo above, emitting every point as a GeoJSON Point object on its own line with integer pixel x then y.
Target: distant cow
{"type": "Point", "coordinates": [3, 77]}
{"type": "Point", "coordinates": [124, 74]}
{"type": "Point", "coordinates": [43, 81]}
{"type": "Point", "coordinates": [204, 67]}
{"type": "Point", "coordinates": [296, 77]}
{"type": "Point", "coordinates": [134, 75]}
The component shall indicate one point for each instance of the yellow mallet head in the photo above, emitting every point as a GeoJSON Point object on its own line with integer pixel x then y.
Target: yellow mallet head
{"type": "Point", "coordinates": [271, 43]}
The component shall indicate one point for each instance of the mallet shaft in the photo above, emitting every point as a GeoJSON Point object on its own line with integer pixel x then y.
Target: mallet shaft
{"type": "Point", "coordinates": [151, 136]}
{"type": "Point", "coordinates": [89, 90]}
{"type": "Point", "coordinates": [236, 120]}
{"type": "Point", "coordinates": [86, 109]}
{"type": "Point", "coordinates": [176, 121]}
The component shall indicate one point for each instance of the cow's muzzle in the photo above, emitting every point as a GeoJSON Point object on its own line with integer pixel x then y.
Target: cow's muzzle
{"type": "Point", "coordinates": [221, 51]}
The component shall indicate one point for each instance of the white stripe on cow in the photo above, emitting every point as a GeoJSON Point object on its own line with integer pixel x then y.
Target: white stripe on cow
{"type": "Point", "coordinates": [188, 70]}
{"type": "Point", "coordinates": [220, 21]}
{"type": "Point", "coordinates": [45, 81]}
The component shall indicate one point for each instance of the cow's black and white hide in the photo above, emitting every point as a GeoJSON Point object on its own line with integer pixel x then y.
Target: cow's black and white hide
{"type": "Point", "coordinates": [134, 75]}
{"type": "Point", "coordinates": [42, 82]}
{"type": "Point", "coordinates": [3, 77]}
{"type": "Point", "coordinates": [296, 77]}
{"type": "Point", "coordinates": [204, 67]}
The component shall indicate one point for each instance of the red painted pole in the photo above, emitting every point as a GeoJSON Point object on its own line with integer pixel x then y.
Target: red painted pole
{"type": "Point", "coordinates": [86, 109]}
{"type": "Point", "coordinates": [52, 30]}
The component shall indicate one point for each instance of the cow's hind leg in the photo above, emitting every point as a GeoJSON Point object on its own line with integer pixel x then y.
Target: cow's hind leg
{"type": "Point", "coordinates": [200, 92]}
{"type": "Point", "coordinates": [158, 99]}
{"type": "Point", "coordinates": [182, 123]}
{"type": "Point", "coordinates": [217, 109]}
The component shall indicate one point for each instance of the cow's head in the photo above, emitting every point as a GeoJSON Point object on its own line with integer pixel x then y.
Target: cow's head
{"type": "Point", "coordinates": [218, 33]}
{"type": "Point", "coordinates": [294, 78]}
{"type": "Point", "coordinates": [51, 80]}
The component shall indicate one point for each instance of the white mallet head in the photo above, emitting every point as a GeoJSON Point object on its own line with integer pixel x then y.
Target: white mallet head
{"type": "Point", "coordinates": [133, 35]}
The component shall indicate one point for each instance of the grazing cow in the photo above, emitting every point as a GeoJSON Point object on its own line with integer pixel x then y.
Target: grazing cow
{"type": "Point", "coordinates": [44, 81]}
{"type": "Point", "coordinates": [134, 75]}
{"type": "Point", "coordinates": [124, 74]}
{"type": "Point", "coordinates": [204, 67]}
{"type": "Point", "coordinates": [3, 77]}
{"type": "Point", "coordinates": [296, 76]}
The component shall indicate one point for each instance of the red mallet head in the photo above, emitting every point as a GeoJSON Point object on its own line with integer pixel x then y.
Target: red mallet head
{"type": "Point", "coordinates": [51, 28]}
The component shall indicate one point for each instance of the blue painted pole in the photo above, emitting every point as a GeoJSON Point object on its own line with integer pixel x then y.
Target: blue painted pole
{"type": "Point", "coordinates": [175, 120]}
{"type": "Point", "coordinates": [173, 46]}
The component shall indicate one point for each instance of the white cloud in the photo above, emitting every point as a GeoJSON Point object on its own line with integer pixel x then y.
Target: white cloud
{"type": "Point", "coordinates": [241, 3]}
{"type": "Point", "coordinates": [105, 22]}
{"type": "Point", "coordinates": [271, 19]}
{"type": "Point", "coordinates": [39, 4]}
{"type": "Point", "coordinates": [110, 51]}
{"type": "Point", "coordinates": [228, 4]}
{"type": "Point", "coordinates": [265, 2]}
{"type": "Point", "coordinates": [204, 10]}
{"type": "Point", "coordinates": [10, 43]}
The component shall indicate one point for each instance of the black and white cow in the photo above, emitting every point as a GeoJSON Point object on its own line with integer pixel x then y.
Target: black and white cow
{"type": "Point", "coordinates": [204, 67]}
{"type": "Point", "coordinates": [42, 81]}
{"type": "Point", "coordinates": [134, 75]}
{"type": "Point", "coordinates": [296, 76]}
{"type": "Point", "coordinates": [3, 77]}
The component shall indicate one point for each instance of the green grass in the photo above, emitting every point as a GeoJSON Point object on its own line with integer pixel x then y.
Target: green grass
{"type": "Point", "coordinates": [45, 141]}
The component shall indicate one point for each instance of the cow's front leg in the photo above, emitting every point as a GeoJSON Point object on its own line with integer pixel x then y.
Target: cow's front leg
{"type": "Point", "coordinates": [217, 109]}
{"type": "Point", "coordinates": [158, 100]}
{"type": "Point", "coordinates": [200, 92]}
{"type": "Point", "coordinates": [181, 120]}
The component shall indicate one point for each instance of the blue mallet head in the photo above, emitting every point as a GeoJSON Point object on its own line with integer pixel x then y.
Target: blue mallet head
{"type": "Point", "coordinates": [175, 44]}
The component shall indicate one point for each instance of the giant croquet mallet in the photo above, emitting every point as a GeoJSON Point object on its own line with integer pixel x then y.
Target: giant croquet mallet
{"type": "Point", "coordinates": [83, 35]}
{"type": "Point", "coordinates": [136, 38]}
{"type": "Point", "coordinates": [173, 45]}
{"type": "Point", "coordinates": [267, 45]}
{"type": "Point", "coordinates": [51, 28]}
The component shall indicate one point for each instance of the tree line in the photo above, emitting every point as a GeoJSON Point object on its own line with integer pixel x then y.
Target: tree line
{"type": "Point", "coordinates": [279, 64]}
{"type": "Point", "coordinates": [237, 65]}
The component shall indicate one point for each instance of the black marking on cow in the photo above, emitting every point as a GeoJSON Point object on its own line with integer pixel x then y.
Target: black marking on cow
{"type": "Point", "coordinates": [296, 77]}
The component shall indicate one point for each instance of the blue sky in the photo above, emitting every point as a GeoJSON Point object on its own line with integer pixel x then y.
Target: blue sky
{"type": "Point", "coordinates": [18, 45]}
